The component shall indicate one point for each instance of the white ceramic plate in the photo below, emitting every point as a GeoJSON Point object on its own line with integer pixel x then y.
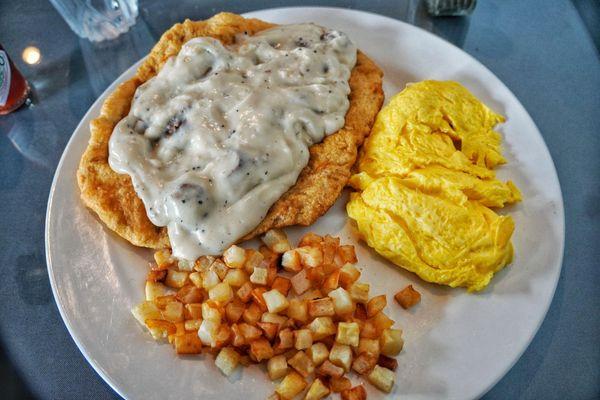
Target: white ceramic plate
{"type": "Point", "coordinates": [458, 345]}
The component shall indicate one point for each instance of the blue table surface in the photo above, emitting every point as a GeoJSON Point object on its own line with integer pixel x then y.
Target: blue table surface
{"type": "Point", "coordinates": [541, 49]}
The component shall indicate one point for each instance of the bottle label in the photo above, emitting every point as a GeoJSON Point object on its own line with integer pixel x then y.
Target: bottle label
{"type": "Point", "coordinates": [4, 78]}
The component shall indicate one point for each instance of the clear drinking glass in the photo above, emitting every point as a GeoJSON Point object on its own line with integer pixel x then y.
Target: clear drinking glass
{"type": "Point", "coordinates": [98, 20]}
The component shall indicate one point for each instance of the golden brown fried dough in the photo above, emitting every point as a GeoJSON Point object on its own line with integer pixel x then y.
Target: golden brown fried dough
{"type": "Point", "coordinates": [113, 198]}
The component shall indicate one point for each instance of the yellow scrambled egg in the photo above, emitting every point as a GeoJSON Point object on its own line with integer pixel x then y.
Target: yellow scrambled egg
{"type": "Point", "coordinates": [426, 184]}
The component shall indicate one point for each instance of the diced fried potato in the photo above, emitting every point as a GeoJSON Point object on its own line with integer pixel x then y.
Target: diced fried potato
{"type": "Point", "coordinates": [329, 246]}
{"type": "Point", "coordinates": [154, 290]}
{"type": "Point", "coordinates": [391, 342]}
{"type": "Point", "coordinates": [163, 258]}
{"type": "Point", "coordinates": [345, 254]}
{"type": "Point", "coordinates": [203, 263]}
{"type": "Point", "coordinates": [211, 312]}
{"type": "Point", "coordinates": [146, 310]}
{"type": "Point", "coordinates": [258, 299]}
{"type": "Point", "coordinates": [382, 378]}
{"type": "Point", "coordinates": [310, 239]}
{"type": "Point", "coordinates": [387, 362]}
{"type": "Point", "coordinates": [322, 327]}
{"type": "Point", "coordinates": [259, 276]}
{"type": "Point", "coordinates": [176, 279]}
{"type": "Point", "coordinates": [188, 343]}
{"type": "Point", "coordinates": [316, 275]}
{"type": "Point", "coordinates": [253, 260]}
{"type": "Point", "coordinates": [359, 292]}
{"type": "Point", "coordinates": [368, 346]}
{"type": "Point", "coordinates": [269, 329]}
{"type": "Point", "coordinates": [210, 279]}
{"type": "Point", "coordinates": [312, 294]}
{"type": "Point", "coordinates": [234, 311]}
{"type": "Point", "coordinates": [193, 311]}
{"type": "Point", "coordinates": [271, 275]}
{"type": "Point", "coordinates": [341, 355]}
{"type": "Point", "coordinates": [196, 279]}
{"type": "Point", "coordinates": [270, 257]}
{"type": "Point", "coordinates": [382, 322]}
{"type": "Point", "coordinates": [208, 332]}
{"type": "Point", "coordinates": [356, 393]}
{"type": "Point", "coordinates": [282, 285]}
{"type": "Point", "coordinates": [310, 256]}
{"type": "Point", "coordinates": [227, 360]}
{"type": "Point", "coordinates": [407, 297]}
{"type": "Point", "coordinates": [317, 390]}
{"type": "Point", "coordinates": [192, 324]}
{"type": "Point", "coordinates": [238, 339]}
{"type": "Point", "coordinates": [302, 364]}
{"type": "Point", "coordinates": [348, 333]}
{"type": "Point", "coordinates": [260, 349]}
{"type": "Point", "coordinates": [160, 329]}
{"type": "Point", "coordinates": [330, 369]}
{"type": "Point", "coordinates": [360, 313]}
{"type": "Point", "coordinates": [277, 367]}
{"type": "Point", "coordinates": [224, 336]}
{"type": "Point", "coordinates": [286, 338]}
{"type": "Point", "coordinates": [369, 330]}
{"type": "Point", "coordinates": [250, 332]}
{"type": "Point", "coordinates": [276, 240]}
{"type": "Point", "coordinates": [321, 308]}
{"type": "Point", "coordinates": [162, 301]}
{"type": "Point", "coordinates": [300, 283]}
{"type": "Point", "coordinates": [303, 339]}
{"type": "Point", "coordinates": [342, 302]}
{"type": "Point", "coordinates": [185, 265]}
{"type": "Point", "coordinates": [173, 312]}
{"type": "Point", "coordinates": [331, 282]}
{"type": "Point", "coordinates": [318, 353]}
{"type": "Point", "coordinates": [375, 305]}
{"type": "Point", "coordinates": [298, 310]}
{"type": "Point", "coordinates": [220, 268]}
{"type": "Point", "coordinates": [273, 319]}
{"type": "Point", "coordinates": [234, 257]}
{"type": "Point", "coordinates": [364, 363]}
{"type": "Point", "coordinates": [348, 275]}
{"type": "Point", "coordinates": [236, 277]}
{"type": "Point", "coordinates": [340, 384]}
{"type": "Point", "coordinates": [244, 293]}
{"type": "Point", "coordinates": [156, 275]}
{"type": "Point", "coordinates": [190, 294]}
{"type": "Point", "coordinates": [276, 302]}
{"type": "Point", "coordinates": [252, 314]}
{"type": "Point", "coordinates": [221, 292]}
{"type": "Point", "coordinates": [291, 385]}
{"type": "Point", "coordinates": [291, 261]}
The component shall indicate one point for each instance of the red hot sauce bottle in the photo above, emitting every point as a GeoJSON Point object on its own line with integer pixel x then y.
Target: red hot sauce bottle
{"type": "Point", "coordinates": [14, 89]}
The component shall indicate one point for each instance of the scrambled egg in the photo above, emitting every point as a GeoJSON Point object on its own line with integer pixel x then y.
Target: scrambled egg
{"type": "Point", "coordinates": [426, 184]}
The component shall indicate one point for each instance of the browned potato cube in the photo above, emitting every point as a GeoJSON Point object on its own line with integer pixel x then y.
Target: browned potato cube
{"type": "Point", "coordinates": [188, 343]}
{"type": "Point", "coordinates": [286, 339]}
{"type": "Point", "coordinates": [341, 355]}
{"type": "Point", "coordinates": [317, 390]}
{"type": "Point", "coordinates": [382, 322]}
{"type": "Point", "coordinates": [300, 283]}
{"type": "Point", "coordinates": [162, 301]}
{"type": "Point", "coordinates": [221, 293]}
{"type": "Point", "coordinates": [316, 275]}
{"type": "Point", "coordinates": [245, 292]}
{"type": "Point", "coordinates": [348, 333]}
{"type": "Point", "coordinates": [387, 362]}
{"type": "Point", "coordinates": [391, 342]}
{"type": "Point", "coordinates": [203, 263]}
{"type": "Point", "coordinates": [345, 254]}
{"type": "Point", "coordinates": [382, 378]}
{"type": "Point", "coordinates": [156, 275]}
{"type": "Point", "coordinates": [193, 311]}
{"type": "Point", "coordinates": [342, 302]}
{"type": "Point", "coordinates": [227, 360]}
{"type": "Point", "coordinates": [330, 369]}
{"type": "Point", "coordinates": [290, 261]}
{"type": "Point", "coordinates": [359, 292]}
{"type": "Point", "coordinates": [270, 329]}
{"type": "Point", "coordinates": [291, 385]}
{"type": "Point", "coordinates": [281, 284]}
{"type": "Point", "coordinates": [173, 312]}
{"type": "Point", "coordinates": [348, 275]}
{"type": "Point", "coordinates": [276, 240]}
{"type": "Point", "coordinates": [275, 301]}
{"type": "Point", "coordinates": [340, 384]}
{"type": "Point", "coordinates": [277, 367]}
{"type": "Point", "coordinates": [252, 314]}
{"type": "Point", "coordinates": [154, 290]}
{"type": "Point", "coordinates": [260, 349]}
{"type": "Point", "coordinates": [407, 297]}
{"type": "Point", "coordinates": [236, 277]}
{"type": "Point", "coordinates": [375, 305]}
{"type": "Point", "coordinates": [190, 294]}
{"type": "Point", "coordinates": [302, 364]}
{"type": "Point", "coordinates": [331, 282]}
{"type": "Point", "coordinates": [322, 327]}
{"type": "Point", "coordinates": [368, 346]}
{"type": "Point", "coordinates": [310, 239]}
{"type": "Point", "coordinates": [250, 332]}
{"type": "Point", "coordinates": [318, 353]}
{"type": "Point", "coordinates": [321, 308]}
{"type": "Point", "coordinates": [259, 276]}
{"type": "Point", "coordinates": [258, 299]}
{"type": "Point", "coordinates": [253, 260]}
{"type": "Point", "coordinates": [356, 393]}
{"type": "Point", "coordinates": [238, 339]}
{"type": "Point", "coordinates": [298, 310]}
{"type": "Point", "coordinates": [234, 257]}
{"type": "Point", "coordinates": [234, 311]}
{"type": "Point", "coordinates": [303, 339]}
{"type": "Point", "coordinates": [220, 268]}
{"type": "Point", "coordinates": [364, 363]}
{"type": "Point", "coordinates": [310, 256]}
{"type": "Point", "coordinates": [369, 330]}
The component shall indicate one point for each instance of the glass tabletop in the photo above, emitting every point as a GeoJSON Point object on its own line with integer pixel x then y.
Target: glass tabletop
{"type": "Point", "coordinates": [544, 54]}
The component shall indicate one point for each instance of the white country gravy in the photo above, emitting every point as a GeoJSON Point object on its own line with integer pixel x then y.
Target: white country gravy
{"type": "Point", "coordinates": [217, 137]}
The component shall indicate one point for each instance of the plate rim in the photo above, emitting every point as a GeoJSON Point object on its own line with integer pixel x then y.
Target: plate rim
{"type": "Point", "coordinates": [121, 78]}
